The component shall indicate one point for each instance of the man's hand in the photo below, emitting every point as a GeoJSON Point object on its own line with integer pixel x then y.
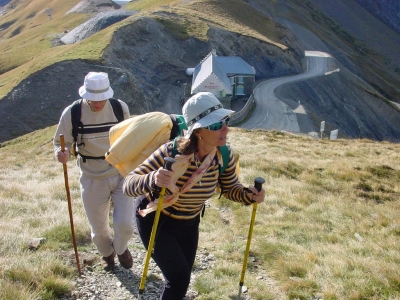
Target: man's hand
{"type": "Point", "coordinates": [63, 157]}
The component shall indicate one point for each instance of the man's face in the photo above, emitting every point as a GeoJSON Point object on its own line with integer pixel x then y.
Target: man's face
{"type": "Point", "coordinates": [97, 106]}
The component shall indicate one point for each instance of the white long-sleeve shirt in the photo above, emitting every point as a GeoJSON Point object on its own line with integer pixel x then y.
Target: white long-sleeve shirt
{"type": "Point", "coordinates": [94, 144]}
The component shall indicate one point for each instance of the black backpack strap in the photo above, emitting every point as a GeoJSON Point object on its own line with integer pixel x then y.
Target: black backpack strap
{"type": "Point", "coordinates": [117, 108]}
{"type": "Point", "coordinates": [85, 157]}
{"type": "Point", "coordinates": [77, 125]}
{"type": "Point", "coordinates": [76, 112]}
{"type": "Point", "coordinates": [175, 127]}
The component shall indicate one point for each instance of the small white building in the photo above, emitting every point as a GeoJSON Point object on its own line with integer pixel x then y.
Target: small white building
{"type": "Point", "coordinates": [223, 76]}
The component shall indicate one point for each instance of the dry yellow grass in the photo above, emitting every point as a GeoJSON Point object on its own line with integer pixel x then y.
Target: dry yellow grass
{"type": "Point", "coordinates": [329, 226]}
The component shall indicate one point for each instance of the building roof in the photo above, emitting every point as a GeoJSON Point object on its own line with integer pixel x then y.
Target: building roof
{"type": "Point", "coordinates": [234, 65]}
{"type": "Point", "coordinates": [222, 67]}
{"type": "Point", "coordinates": [205, 69]}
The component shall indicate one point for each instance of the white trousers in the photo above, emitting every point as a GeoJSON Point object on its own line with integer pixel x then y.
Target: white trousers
{"type": "Point", "coordinates": [96, 195]}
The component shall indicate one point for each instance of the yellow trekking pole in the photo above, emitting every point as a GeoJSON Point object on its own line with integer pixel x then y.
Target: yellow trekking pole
{"type": "Point", "coordinates": [168, 161]}
{"type": "Point", "coordinates": [258, 181]}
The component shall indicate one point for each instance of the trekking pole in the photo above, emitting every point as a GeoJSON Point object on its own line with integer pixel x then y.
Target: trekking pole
{"type": "Point", "coordinates": [168, 161]}
{"type": "Point", "coordinates": [258, 181]}
{"type": "Point", "coordinates": [71, 220]}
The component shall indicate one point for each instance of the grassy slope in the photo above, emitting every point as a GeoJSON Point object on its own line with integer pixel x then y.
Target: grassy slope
{"type": "Point", "coordinates": [235, 16]}
{"type": "Point", "coordinates": [31, 34]}
{"type": "Point", "coordinates": [329, 225]}
{"type": "Point", "coordinates": [31, 49]}
{"type": "Point", "coordinates": [26, 41]}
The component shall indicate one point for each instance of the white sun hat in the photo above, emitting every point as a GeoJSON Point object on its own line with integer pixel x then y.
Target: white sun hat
{"type": "Point", "coordinates": [96, 87]}
{"type": "Point", "coordinates": [202, 110]}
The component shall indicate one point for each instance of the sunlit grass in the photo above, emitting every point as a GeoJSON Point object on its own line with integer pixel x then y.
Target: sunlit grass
{"type": "Point", "coordinates": [329, 226]}
{"type": "Point", "coordinates": [34, 205]}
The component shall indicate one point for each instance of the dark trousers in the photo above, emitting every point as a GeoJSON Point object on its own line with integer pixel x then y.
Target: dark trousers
{"type": "Point", "coordinates": [175, 248]}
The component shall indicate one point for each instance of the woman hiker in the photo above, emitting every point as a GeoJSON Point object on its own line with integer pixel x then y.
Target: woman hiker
{"type": "Point", "coordinates": [191, 182]}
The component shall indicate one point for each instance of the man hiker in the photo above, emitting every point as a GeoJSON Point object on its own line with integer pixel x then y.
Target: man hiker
{"type": "Point", "coordinates": [85, 125]}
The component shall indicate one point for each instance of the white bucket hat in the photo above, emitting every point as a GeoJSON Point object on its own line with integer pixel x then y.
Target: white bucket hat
{"type": "Point", "coordinates": [96, 87]}
{"type": "Point", "coordinates": [202, 110]}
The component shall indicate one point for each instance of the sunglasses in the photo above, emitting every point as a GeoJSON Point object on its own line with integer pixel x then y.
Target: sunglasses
{"type": "Point", "coordinates": [218, 125]}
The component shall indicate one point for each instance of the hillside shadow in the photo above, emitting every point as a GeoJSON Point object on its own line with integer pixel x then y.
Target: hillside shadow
{"type": "Point", "coordinates": [112, 4]}
{"type": "Point", "coordinates": [6, 25]}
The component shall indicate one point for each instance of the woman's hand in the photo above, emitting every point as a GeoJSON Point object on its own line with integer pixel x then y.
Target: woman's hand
{"type": "Point", "coordinates": [258, 196]}
{"type": "Point", "coordinates": [163, 178]}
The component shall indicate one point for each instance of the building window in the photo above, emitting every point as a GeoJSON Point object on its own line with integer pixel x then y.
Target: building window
{"type": "Point", "coordinates": [240, 89]}
{"type": "Point", "coordinates": [240, 79]}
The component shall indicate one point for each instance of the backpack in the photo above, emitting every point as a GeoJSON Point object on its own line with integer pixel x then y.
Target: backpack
{"type": "Point", "coordinates": [135, 139]}
{"type": "Point", "coordinates": [79, 128]}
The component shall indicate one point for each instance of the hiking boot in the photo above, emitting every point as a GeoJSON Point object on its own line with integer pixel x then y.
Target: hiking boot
{"type": "Point", "coordinates": [125, 259]}
{"type": "Point", "coordinates": [109, 262]}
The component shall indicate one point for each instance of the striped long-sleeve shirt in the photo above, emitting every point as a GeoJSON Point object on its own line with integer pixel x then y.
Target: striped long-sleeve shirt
{"type": "Point", "coordinates": [141, 181]}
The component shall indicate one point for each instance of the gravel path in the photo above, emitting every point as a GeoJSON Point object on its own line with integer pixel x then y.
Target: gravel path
{"type": "Point", "coordinates": [120, 283]}
{"type": "Point", "coordinates": [95, 283]}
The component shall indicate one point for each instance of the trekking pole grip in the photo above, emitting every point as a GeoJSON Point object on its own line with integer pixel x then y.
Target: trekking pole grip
{"type": "Point", "coordinates": [258, 182]}
{"type": "Point", "coordinates": [62, 142]}
{"type": "Point", "coordinates": [168, 161]}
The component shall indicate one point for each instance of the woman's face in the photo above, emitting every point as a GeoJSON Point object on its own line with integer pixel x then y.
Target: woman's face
{"type": "Point", "coordinates": [213, 137]}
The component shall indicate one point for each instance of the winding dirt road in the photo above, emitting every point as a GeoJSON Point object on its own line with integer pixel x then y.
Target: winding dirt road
{"type": "Point", "coordinates": [273, 113]}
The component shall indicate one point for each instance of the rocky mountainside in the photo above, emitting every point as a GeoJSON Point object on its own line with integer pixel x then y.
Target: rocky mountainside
{"type": "Point", "coordinates": [147, 62]}
{"type": "Point", "coordinates": [354, 100]}
{"type": "Point", "coordinates": [385, 10]}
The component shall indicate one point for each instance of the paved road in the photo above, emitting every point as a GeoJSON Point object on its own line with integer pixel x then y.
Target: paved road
{"type": "Point", "coordinates": [272, 113]}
